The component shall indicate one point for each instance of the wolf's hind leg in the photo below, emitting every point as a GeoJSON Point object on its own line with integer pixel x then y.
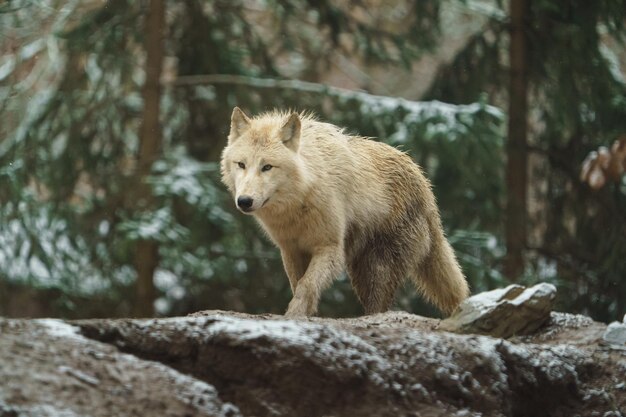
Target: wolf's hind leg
{"type": "Point", "coordinates": [375, 279]}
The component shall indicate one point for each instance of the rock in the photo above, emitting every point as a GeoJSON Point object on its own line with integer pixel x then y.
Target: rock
{"type": "Point", "coordinates": [615, 335]}
{"type": "Point", "coordinates": [231, 364]}
{"type": "Point", "coordinates": [385, 365]}
{"type": "Point", "coordinates": [573, 329]}
{"type": "Point", "coordinates": [48, 369]}
{"type": "Point", "coordinates": [514, 310]}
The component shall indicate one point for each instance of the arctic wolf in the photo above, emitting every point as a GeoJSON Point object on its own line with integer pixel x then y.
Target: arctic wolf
{"type": "Point", "coordinates": [332, 201]}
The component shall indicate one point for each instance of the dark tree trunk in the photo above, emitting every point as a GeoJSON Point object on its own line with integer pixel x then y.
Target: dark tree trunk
{"type": "Point", "coordinates": [516, 170]}
{"type": "Point", "coordinates": [206, 132]}
{"type": "Point", "coordinates": [146, 256]}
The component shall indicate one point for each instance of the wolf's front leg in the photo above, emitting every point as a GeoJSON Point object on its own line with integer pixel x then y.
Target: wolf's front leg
{"type": "Point", "coordinates": [295, 263]}
{"type": "Point", "coordinates": [325, 265]}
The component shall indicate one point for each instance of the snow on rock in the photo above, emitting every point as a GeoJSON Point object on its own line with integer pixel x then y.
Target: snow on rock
{"type": "Point", "coordinates": [514, 310]}
{"type": "Point", "coordinates": [59, 328]}
{"type": "Point", "coordinates": [615, 335]}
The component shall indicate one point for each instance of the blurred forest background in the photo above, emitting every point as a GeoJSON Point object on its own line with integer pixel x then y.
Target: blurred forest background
{"type": "Point", "coordinates": [113, 115]}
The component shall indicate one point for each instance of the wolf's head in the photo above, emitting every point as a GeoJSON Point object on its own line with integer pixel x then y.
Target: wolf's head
{"type": "Point", "coordinates": [260, 159]}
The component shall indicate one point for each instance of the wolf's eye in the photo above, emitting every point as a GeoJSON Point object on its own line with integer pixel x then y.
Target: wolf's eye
{"type": "Point", "coordinates": [241, 165]}
{"type": "Point", "coordinates": [266, 168]}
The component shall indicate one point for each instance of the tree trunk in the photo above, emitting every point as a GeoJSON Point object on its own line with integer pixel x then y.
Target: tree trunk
{"type": "Point", "coordinates": [146, 256]}
{"type": "Point", "coordinates": [516, 170]}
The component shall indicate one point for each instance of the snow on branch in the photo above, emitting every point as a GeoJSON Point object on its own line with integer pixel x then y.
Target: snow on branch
{"type": "Point", "coordinates": [447, 115]}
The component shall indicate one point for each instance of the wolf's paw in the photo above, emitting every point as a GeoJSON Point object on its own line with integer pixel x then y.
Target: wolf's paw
{"type": "Point", "coordinates": [298, 308]}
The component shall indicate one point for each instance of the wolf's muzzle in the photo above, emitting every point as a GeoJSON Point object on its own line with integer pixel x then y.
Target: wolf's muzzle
{"type": "Point", "coordinates": [245, 203]}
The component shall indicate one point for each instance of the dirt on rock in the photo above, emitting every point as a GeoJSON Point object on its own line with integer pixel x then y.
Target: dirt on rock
{"type": "Point", "coordinates": [222, 363]}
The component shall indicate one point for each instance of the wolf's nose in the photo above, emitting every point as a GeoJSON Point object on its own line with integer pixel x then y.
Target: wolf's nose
{"type": "Point", "coordinates": [244, 202]}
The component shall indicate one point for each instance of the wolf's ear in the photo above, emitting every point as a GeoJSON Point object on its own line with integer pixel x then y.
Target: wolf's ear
{"type": "Point", "coordinates": [290, 132]}
{"type": "Point", "coordinates": [239, 123]}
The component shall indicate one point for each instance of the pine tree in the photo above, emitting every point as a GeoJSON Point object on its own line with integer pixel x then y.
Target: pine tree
{"type": "Point", "coordinates": [576, 104]}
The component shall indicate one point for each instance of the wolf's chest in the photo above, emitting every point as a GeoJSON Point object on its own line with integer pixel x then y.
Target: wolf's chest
{"type": "Point", "coordinates": [304, 231]}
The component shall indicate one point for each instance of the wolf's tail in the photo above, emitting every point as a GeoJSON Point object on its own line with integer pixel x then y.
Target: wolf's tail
{"type": "Point", "coordinates": [439, 277]}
